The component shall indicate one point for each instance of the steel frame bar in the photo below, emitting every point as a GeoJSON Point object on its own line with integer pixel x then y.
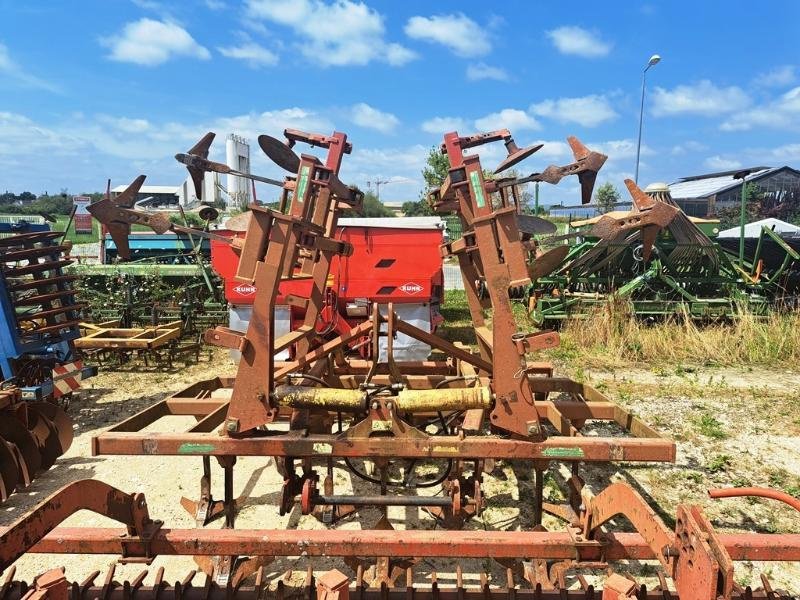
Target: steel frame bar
{"type": "Point", "coordinates": [569, 449]}
{"type": "Point", "coordinates": [558, 545]}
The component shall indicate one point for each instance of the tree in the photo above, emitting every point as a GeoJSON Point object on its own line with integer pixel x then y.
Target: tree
{"type": "Point", "coordinates": [606, 197]}
{"type": "Point", "coordinates": [420, 208]}
{"type": "Point", "coordinates": [372, 208]}
{"type": "Point", "coordinates": [436, 170]}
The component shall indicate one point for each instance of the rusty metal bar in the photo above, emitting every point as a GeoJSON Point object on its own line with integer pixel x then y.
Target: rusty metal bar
{"type": "Point", "coordinates": [432, 543]}
{"type": "Point", "coordinates": [589, 449]}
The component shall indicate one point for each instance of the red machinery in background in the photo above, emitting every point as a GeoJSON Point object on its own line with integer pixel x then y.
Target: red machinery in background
{"type": "Point", "coordinates": [395, 260]}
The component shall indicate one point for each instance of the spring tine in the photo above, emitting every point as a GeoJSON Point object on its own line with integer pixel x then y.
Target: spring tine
{"type": "Point", "coordinates": [188, 579]}
{"type": "Point", "coordinates": [310, 582]}
{"type": "Point", "coordinates": [262, 584]}
{"type": "Point", "coordinates": [409, 583]}
{"type": "Point", "coordinates": [87, 583]}
{"type": "Point", "coordinates": [157, 584]}
{"type": "Point", "coordinates": [108, 582]}
{"type": "Point", "coordinates": [279, 590]}
{"type": "Point", "coordinates": [207, 586]}
{"type": "Point", "coordinates": [360, 581]}
{"type": "Point", "coordinates": [766, 585]}
{"type": "Point", "coordinates": [384, 591]}
{"type": "Point", "coordinates": [177, 591]}
{"type": "Point", "coordinates": [538, 592]}
{"type": "Point", "coordinates": [7, 583]}
{"type": "Point", "coordinates": [434, 586]}
{"type": "Point", "coordinates": [75, 591]}
{"type": "Point", "coordinates": [510, 584]}
{"type": "Point", "coordinates": [137, 582]}
{"type": "Point", "coordinates": [126, 590]}
{"type": "Point", "coordinates": [582, 581]}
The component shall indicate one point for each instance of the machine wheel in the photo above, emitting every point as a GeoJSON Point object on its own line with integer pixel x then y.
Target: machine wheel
{"type": "Point", "coordinates": [52, 429]}
{"type": "Point", "coordinates": [13, 431]}
{"type": "Point", "coordinates": [9, 471]}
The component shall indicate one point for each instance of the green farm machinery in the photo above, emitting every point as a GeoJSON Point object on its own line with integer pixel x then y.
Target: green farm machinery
{"type": "Point", "coordinates": [662, 263]}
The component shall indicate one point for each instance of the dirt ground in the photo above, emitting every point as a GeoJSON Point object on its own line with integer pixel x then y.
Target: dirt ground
{"type": "Point", "coordinates": [732, 427]}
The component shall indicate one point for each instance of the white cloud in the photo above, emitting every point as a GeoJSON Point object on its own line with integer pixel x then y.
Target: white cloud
{"type": "Point", "coordinates": [459, 33]}
{"type": "Point", "coordinates": [701, 98]}
{"type": "Point", "coordinates": [336, 34]}
{"type": "Point", "coordinates": [781, 113]}
{"type": "Point", "coordinates": [721, 164]}
{"type": "Point", "coordinates": [442, 125]}
{"type": "Point", "coordinates": [777, 77]}
{"type": "Point", "coordinates": [781, 155]}
{"type": "Point", "coordinates": [126, 124]}
{"type": "Point", "coordinates": [578, 41]}
{"type": "Point", "coordinates": [480, 71]}
{"type": "Point", "coordinates": [620, 149]}
{"type": "Point", "coordinates": [509, 118]}
{"type": "Point", "coordinates": [255, 55]}
{"type": "Point", "coordinates": [149, 42]}
{"type": "Point", "coordinates": [215, 4]}
{"type": "Point", "coordinates": [688, 146]}
{"type": "Point", "coordinates": [364, 115]}
{"type": "Point", "coordinates": [400, 165]}
{"type": "Point", "coordinates": [588, 111]}
{"type": "Point", "coordinates": [11, 69]}
{"type": "Point", "coordinates": [397, 55]}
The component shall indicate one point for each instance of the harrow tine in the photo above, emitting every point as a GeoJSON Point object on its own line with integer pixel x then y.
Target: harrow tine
{"type": "Point", "coordinates": [9, 581]}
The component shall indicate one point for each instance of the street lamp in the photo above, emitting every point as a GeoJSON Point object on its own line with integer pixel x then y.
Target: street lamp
{"type": "Point", "coordinates": [654, 60]}
{"type": "Point", "coordinates": [743, 212]}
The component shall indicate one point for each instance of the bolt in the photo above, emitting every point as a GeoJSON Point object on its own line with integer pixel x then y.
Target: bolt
{"type": "Point", "coordinates": [232, 426]}
{"type": "Point", "coordinates": [532, 429]}
{"type": "Point", "coordinates": [374, 406]}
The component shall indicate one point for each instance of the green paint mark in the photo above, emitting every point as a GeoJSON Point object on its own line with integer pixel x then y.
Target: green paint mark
{"type": "Point", "coordinates": [563, 452]}
{"type": "Point", "coordinates": [477, 190]}
{"type": "Point", "coordinates": [190, 448]}
{"type": "Point", "coordinates": [302, 184]}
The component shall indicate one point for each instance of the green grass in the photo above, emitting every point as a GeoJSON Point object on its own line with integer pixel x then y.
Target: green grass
{"type": "Point", "coordinates": [457, 320]}
{"type": "Point", "coordinates": [77, 238]}
{"type": "Point", "coordinates": [709, 426]}
{"type": "Point", "coordinates": [613, 337]}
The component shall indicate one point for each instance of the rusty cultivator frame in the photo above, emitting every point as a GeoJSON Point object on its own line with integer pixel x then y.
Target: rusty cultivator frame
{"type": "Point", "coordinates": [461, 410]}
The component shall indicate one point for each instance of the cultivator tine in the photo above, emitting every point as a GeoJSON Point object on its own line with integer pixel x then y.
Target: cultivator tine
{"type": "Point", "coordinates": [197, 173]}
{"type": "Point", "coordinates": [586, 166]}
{"type": "Point", "coordinates": [650, 217]}
{"type": "Point", "coordinates": [117, 216]}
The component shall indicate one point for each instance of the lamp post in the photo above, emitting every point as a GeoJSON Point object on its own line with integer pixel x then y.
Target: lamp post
{"type": "Point", "coordinates": [743, 211]}
{"type": "Point", "coordinates": [654, 60]}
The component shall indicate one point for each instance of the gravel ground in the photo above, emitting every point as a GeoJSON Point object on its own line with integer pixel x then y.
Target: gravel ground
{"type": "Point", "coordinates": [732, 427]}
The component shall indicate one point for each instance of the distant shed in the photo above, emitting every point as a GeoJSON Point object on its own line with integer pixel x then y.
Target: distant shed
{"type": "Point", "coordinates": [706, 195]}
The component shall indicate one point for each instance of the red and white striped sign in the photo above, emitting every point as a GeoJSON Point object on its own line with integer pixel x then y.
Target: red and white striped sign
{"type": "Point", "coordinates": [67, 378]}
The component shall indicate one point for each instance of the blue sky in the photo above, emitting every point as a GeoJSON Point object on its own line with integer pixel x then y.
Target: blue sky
{"type": "Point", "coordinates": [114, 88]}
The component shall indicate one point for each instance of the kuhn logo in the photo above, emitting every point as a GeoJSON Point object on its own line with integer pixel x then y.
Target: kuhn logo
{"type": "Point", "coordinates": [245, 290]}
{"type": "Point", "coordinates": [411, 288]}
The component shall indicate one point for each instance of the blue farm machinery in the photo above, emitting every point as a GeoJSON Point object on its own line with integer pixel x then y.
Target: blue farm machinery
{"type": "Point", "coordinates": [40, 369]}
